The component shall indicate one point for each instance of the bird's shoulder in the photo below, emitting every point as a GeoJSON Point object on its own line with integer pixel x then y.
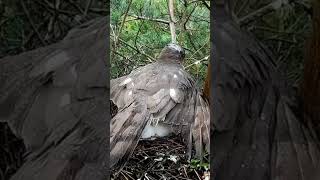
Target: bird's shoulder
{"type": "Point", "coordinates": [162, 74]}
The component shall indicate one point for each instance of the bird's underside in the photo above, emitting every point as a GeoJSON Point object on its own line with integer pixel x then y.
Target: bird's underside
{"type": "Point", "coordinates": [156, 100]}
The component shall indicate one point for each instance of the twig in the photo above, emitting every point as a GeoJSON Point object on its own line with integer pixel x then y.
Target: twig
{"type": "Point", "coordinates": [116, 52]}
{"type": "Point", "coordinates": [132, 47]}
{"type": "Point", "coordinates": [150, 19]}
{"type": "Point", "coordinates": [89, 2]}
{"type": "Point", "coordinates": [3, 21]}
{"type": "Point", "coordinates": [282, 40]}
{"type": "Point", "coordinates": [76, 6]}
{"type": "Point", "coordinates": [136, 37]}
{"type": "Point", "coordinates": [244, 4]}
{"type": "Point", "coordinates": [123, 22]}
{"type": "Point", "coordinates": [98, 10]}
{"type": "Point", "coordinates": [31, 22]}
{"type": "Point", "coordinates": [50, 7]}
{"type": "Point", "coordinates": [260, 12]}
{"type": "Point", "coordinates": [205, 4]}
{"type": "Point", "coordinates": [274, 30]}
{"type": "Point", "coordinates": [197, 174]}
{"type": "Point", "coordinates": [28, 38]}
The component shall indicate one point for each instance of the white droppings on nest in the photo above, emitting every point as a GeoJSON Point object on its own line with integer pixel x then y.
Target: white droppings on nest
{"type": "Point", "coordinates": [158, 159]}
{"type": "Point", "coordinates": [173, 158]}
{"type": "Point", "coordinates": [206, 175]}
{"type": "Point", "coordinates": [175, 76]}
{"type": "Point", "coordinates": [130, 93]}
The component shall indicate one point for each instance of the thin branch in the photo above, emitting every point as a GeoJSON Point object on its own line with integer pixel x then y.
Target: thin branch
{"type": "Point", "coordinates": [89, 2]}
{"type": "Point", "coordinates": [32, 23]}
{"type": "Point", "coordinates": [119, 54]}
{"type": "Point", "coordinates": [150, 19]}
{"type": "Point", "coordinates": [124, 20]}
{"type": "Point", "coordinates": [261, 12]}
{"type": "Point", "coordinates": [137, 50]}
{"type": "Point", "coordinates": [98, 10]}
{"type": "Point", "coordinates": [264, 29]}
{"type": "Point", "coordinates": [241, 8]}
{"type": "Point", "coordinates": [172, 22]}
{"type": "Point", "coordinates": [194, 8]}
{"type": "Point", "coordinates": [205, 4]}
{"type": "Point", "coordinates": [51, 7]}
{"type": "Point", "coordinates": [76, 6]}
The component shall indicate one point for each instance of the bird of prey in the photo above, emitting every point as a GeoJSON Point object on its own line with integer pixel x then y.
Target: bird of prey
{"type": "Point", "coordinates": [154, 101]}
{"type": "Point", "coordinates": [55, 99]}
{"type": "Point", "coordinates": [258, 130]}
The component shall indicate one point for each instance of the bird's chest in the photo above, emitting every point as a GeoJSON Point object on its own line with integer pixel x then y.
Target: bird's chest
{"type": "Point", "coordinates": [152, 131]}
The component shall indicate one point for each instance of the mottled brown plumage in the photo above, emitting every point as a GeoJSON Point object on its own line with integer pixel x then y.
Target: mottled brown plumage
{"type": "Point", "coordinates": [54, 98]}
{"type": "Point", "coordinates": [258, 128]}
{"type": "Point", "coordinates": [160, 93]}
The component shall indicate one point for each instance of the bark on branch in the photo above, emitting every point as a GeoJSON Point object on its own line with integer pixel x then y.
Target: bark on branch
{"type": "Point", "coordinates": [172, 22]}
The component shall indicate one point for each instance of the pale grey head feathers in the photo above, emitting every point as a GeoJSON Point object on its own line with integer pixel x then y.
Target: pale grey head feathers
{"type": "Point", "coordinates": [172, 53]}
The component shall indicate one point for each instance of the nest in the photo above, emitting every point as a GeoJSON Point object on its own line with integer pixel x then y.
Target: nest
{"type": "Point", "coordinates": [162, 159]}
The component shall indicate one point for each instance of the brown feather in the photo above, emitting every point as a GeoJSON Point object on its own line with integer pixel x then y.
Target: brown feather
{"type": "Point", "coordinates": [162, 92]}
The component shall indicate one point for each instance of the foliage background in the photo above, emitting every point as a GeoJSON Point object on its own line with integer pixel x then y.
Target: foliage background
{"type": "Point", "coordinates": [138, 36]}
{"type": "Point", "coordinates": [284, 26]}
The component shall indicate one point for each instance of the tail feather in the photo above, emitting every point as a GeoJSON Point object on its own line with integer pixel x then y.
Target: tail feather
{"type": "Point", "coordinates": [125, 134]}
{"type": "Point", "coordinates": [201, 127]}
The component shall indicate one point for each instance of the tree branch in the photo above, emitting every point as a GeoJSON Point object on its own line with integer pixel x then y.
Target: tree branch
{"type": "Point", "coordinates": [150, 19]}
{"type": "Point", "coordinates": [205, 4]}
{"type": "Point", "coordinates": [123, 21]}
{"type": "Point", "coordinates": [172, 22]}
{"type": "Point", "coordinates": [261, 12]}
{"type": "Point", "coordinates": [32, 23]}
{"type": "Point", "coordinates": [150, 58]}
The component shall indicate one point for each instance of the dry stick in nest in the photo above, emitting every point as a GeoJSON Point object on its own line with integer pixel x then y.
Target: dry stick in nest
{"type": "Point", "coordinates": [147, 161]}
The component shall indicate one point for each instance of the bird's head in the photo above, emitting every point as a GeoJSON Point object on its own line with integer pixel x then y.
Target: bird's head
{"type": "Point", "coordinates": [172, 53]}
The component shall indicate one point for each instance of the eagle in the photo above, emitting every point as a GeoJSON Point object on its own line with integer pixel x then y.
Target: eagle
{"type": "Point", "coordinates": [157, 100]}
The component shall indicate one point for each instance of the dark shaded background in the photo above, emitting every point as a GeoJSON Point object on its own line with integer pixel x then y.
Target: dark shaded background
{"type": "Point", "coordinates": [26, 25]}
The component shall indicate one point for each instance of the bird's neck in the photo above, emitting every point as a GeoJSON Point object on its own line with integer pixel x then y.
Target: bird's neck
{"type": "Point", "coordinates": [169, 60]}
